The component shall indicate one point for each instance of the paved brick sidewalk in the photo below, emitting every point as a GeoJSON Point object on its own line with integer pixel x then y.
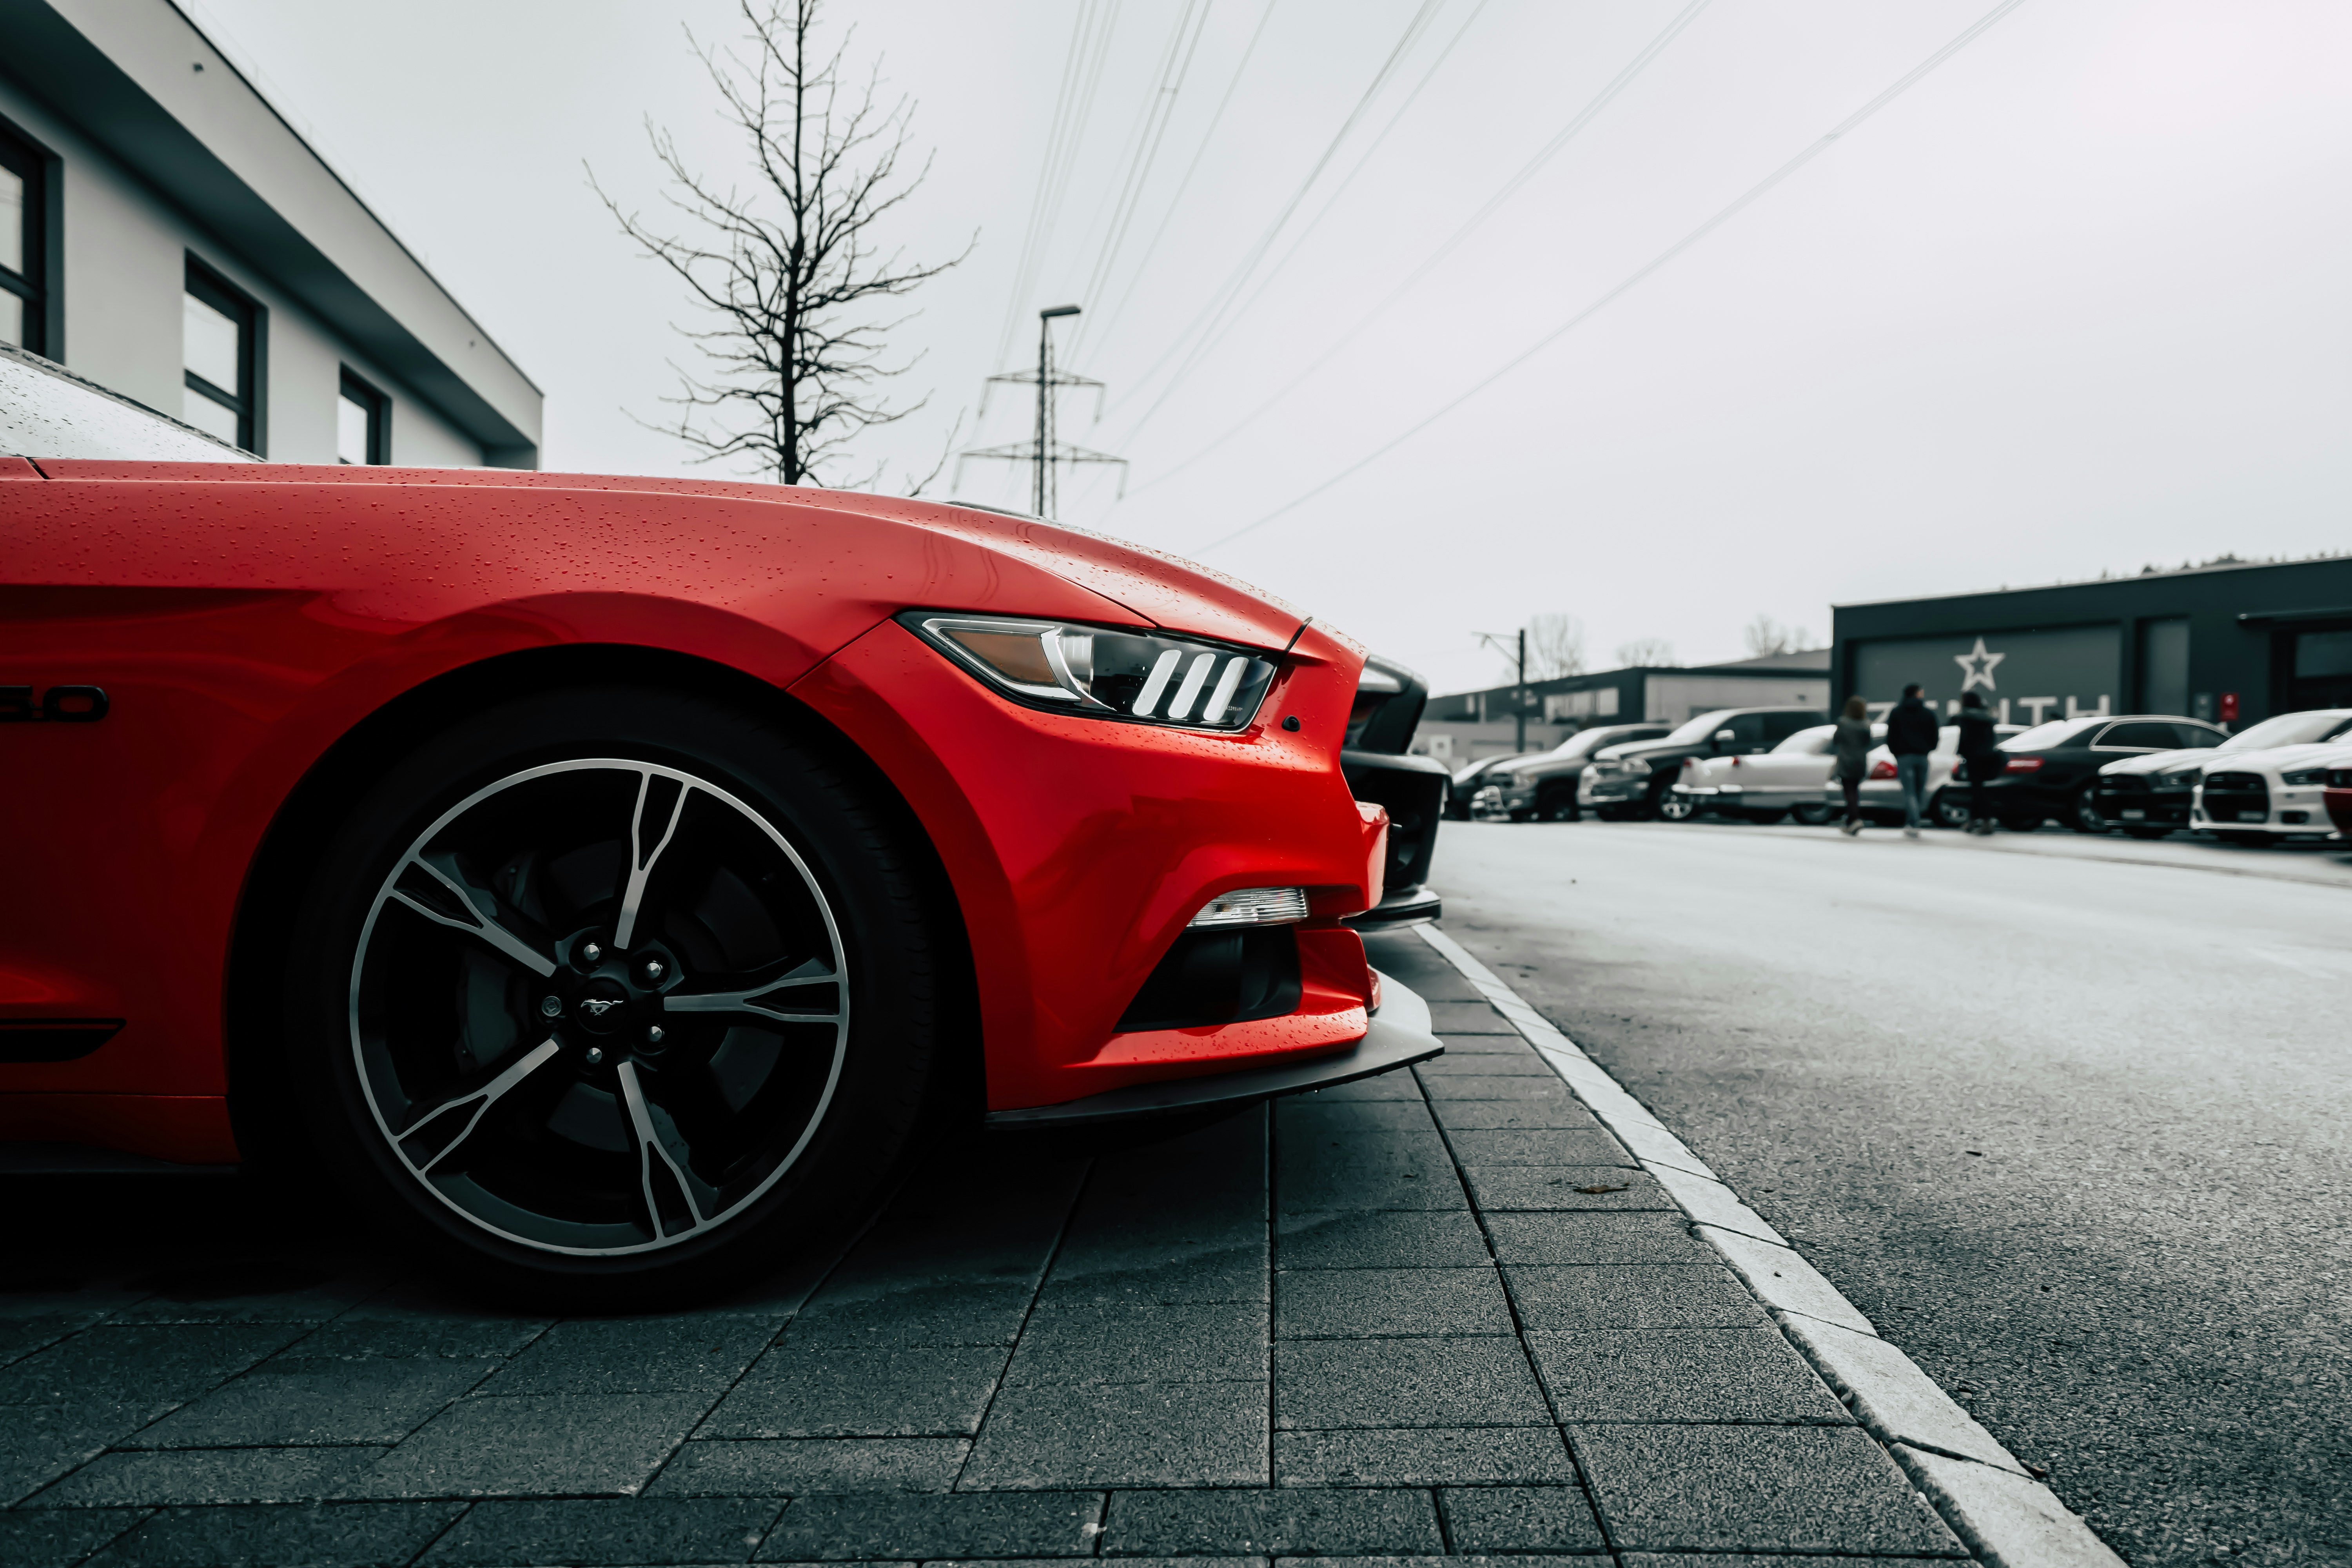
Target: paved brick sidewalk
{"type": "Point", "coordinates": [1436, 1314]}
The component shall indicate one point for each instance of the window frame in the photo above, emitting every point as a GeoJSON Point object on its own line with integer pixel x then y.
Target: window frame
{"type": "Point", "coordinates": [359, 390]}
{"type": "Point", "coordinates": [38, 287]}
{"type": "Point", "coordinates": [248, 402]}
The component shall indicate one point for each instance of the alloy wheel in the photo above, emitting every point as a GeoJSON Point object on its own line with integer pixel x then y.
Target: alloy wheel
{"type": "Point", "coordinates": [599, 1007]}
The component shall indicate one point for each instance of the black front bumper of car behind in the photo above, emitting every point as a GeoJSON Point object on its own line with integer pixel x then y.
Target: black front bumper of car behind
{"type": "Point", "coordinates": [1412, 791]}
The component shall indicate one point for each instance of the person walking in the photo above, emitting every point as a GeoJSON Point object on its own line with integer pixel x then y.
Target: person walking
{"type": "Point", "coordinates": [1851, 746]}
{"type": "Point", "coordinates": [1980, 756]}
{"type": "Point", "coordinates": [1911, 734]}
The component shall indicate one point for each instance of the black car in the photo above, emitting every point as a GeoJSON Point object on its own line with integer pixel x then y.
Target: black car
{"type": "Point", "coordinates": [2052, 769]}
{"type": "Point", "coordinates": [1543, 786]}
{"type": "Point", "coordinates": [1379, 769]}
{"type": "Point", "coordinates": [1632, 780]}
{"type": "Point", "coordinates": [2149, 796]}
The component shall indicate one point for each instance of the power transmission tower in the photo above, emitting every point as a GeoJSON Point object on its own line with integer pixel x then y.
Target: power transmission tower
{"type": "Point", "coordinates": [1046, 453]}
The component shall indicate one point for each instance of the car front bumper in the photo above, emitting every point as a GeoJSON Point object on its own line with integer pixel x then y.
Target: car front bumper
{"type": "Point", "coordinates": [1611, 789]}
{"type": "Point", "coordinates": [1078, 849]}
{"type": "Point", "coordinates": [2144, 808]}
{"type": "Point", "coordinates": [1398, 1036]}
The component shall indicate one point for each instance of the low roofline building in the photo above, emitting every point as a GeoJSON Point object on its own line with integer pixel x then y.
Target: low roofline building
{"type": "Point", "coordinates": [2231, 643]}
{"type": "Point", "coordinates": [167, 228]}
{"type": "Point", "coordinates": [1466, 725]}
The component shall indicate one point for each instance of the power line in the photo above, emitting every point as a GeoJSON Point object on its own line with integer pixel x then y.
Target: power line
{"type": "Point", "coordinates": [1151, 129]}
{"type": "Point", "coordinates": [1214, 311]}
{"type": "Point", "coordinates": [1266, 281]}
{"type": "Point", "coordinates": [1216, 117]}
{"type": "Point", "coordinates": [1632, 280]}
{"type": "Point", "coordinates": [1072, 111]}
{"type": "Point", "coordinates": [1494, 204]}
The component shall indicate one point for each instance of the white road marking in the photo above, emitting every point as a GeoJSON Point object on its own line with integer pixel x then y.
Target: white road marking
{"type": "Point", "coordinates": [1983, 1491]}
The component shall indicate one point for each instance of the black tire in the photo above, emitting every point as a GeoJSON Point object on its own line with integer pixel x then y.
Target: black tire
{"type": "Point", "coordinates": [617, 1162]}
{"type": "Point", "coordinates": [1521, 816]}
{"type": "Point", "coordinates": [1768, 818]}
{"type": "Point", "coordinates": [2022, 824]}
{"type": "Point", "coordinates": [2083, 814]}
{"type": "Point", "coordinates": [1655, 799]}
{"type": "Point", "coordinates": [1947, 809]}
{"type": "Point", "coordinates": [2148, 833]}
{"type": "Point", "coordinates": [1668, 807]}
{"type": "Point", "coordinates": [1813, 815]}
{"type": "Point", "coordinates": [1557, 803]}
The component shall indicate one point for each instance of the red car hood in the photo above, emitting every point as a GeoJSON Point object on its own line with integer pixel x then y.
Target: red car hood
{"type": "Point", "coordinates": [1165, 590]}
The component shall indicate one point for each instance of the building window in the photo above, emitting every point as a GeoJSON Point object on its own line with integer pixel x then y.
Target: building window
{"type": "Point", "coordinates": [24, 246]}
{"type": "Point", "coordinates": [362, 422]}
{"type": "Point", "coordinates": [220, 352]}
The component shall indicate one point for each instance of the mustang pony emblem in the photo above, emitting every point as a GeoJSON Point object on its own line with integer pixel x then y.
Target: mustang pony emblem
{"type": "Point", "coordinates": [597, 1006]}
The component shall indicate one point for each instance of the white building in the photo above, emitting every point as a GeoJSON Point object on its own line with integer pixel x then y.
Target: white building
{"type": "Point", "coordinates": [163, 233]}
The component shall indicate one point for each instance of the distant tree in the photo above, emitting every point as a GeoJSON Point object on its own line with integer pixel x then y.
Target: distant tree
{"type": "Point", "coordinates": [1555, 645]}
{"type": "Point", "coordinates": [1646, 652]}
{"type": "Point", "coordinates": [1766, 637]}
{"type": "Point", "coordinates": [791, 272]}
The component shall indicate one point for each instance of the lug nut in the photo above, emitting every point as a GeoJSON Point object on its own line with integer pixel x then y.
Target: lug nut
{"type": "Point", "coordinates": [550, 1006]}
{"type": "Point", "coordinates": [591, 952]}
{"type": "Point", "coordinates": [595, 1055]}
{"type": "Point", "coordinates": [653, 969]}
{"type": "Point", "coordinates": [653, 1036]}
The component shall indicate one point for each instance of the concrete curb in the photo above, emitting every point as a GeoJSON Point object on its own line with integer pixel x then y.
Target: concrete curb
{"type": "Point", "coordinates": [1992, 1504]}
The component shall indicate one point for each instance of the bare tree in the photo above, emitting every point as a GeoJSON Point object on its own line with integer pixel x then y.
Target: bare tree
{"type": "Point", "coordinates": [1555, 645]}
{"type": "Point", "coordinates": [791, 272]}
{"type": "Point", "coordinates": [1646, 652]}
{"type": "Point", "coordinates": [1766, 636]}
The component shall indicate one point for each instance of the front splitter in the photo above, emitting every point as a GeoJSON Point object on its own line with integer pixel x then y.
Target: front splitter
{"type": "Point", "coordinates": [1399, 1037]}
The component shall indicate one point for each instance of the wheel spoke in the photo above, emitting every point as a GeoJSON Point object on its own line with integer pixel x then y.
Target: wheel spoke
{"type": "Point", "coordinates": [481, 1100]}
{"type": "Point", "coordinates": [750, 999]}
{"type": "Point", "coordinates": [641, 864]}
{"type": "Point", "coordinates": [477, 923]}
{"type": "Point", "coordinates": [650, 1148]}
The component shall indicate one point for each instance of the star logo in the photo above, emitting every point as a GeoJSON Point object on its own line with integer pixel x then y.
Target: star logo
{"type": "Point", "coordinates": [1978, 666]}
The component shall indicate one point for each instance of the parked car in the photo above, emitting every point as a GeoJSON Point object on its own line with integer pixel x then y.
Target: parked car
{"type": "Point", "coordinates": [2052, 769]}
{"type": "Point", "coordinates": [1635, 778]}
{"type": "Point", "coordinates": [2149, 796]}
{"type": "Point", "coordinates": [1379, 769]}
{"type": "Point", "coordinates": [1542, 787]}
{"type": "Point", "coordinates": [1796, 775]}
{"type": "Point", "coordinates": [1463, 785]}
{"type": "Point", "coordinates": [2261, 797]}
{"type": "Point", "coordinates": [1882, 790]}
{"type": "Point", "coordinates": [610, 883]}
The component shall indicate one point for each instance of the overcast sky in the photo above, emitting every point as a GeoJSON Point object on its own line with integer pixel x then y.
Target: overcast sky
{"type": "Point", "coordinates": [2074, 300]}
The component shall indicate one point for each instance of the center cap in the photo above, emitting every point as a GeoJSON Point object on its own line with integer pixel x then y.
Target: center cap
{"type": "Point", "coordinates": [602, 1007]}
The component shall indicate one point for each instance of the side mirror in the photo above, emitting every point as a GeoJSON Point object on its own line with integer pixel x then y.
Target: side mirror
{"type": "Point", "coordinates": [1723, 738]}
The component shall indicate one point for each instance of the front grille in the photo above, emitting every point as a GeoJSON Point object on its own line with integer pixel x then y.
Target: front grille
{"type": "Point", "coordinates": [2123, 783]}
{"type": "Point", "coordinates": [2236, 797]}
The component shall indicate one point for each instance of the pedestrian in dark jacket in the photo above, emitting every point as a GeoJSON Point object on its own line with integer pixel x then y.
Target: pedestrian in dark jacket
{"type": "Point", "coordinates": [1851, 748]}
{"type": "Point", "coordinates": [1980, 756]}
{"type": "Point", "coordinates": [1911, 734]}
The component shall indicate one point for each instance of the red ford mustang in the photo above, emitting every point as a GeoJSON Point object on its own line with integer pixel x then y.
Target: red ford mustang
{"type": "Point", "coordinates": [603, 877]}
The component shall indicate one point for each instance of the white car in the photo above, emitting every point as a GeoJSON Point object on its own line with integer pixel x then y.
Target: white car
{"type": "Point", "coordinates": [1882, 791]}
{"type": "Point", "coordinates": [1795, 775]}
{"type": "Point", "coordinates": [2267, 797]}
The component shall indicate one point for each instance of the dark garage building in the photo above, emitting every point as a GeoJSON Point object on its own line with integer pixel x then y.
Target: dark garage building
{"type": "Point", "coordinates": [2233, 644]}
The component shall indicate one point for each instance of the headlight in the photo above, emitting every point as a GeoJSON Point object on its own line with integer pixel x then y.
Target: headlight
{"type": "Point", "coordinates": [2305, 776]}
{"type": "Point", "coordinates": [1140, 676]}
{"type": "Point", "coordinates": [2185, 779]}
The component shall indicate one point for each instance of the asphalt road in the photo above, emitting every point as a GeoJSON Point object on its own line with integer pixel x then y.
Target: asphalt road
{"type": "Point", "coordinates": [2066, 1118]}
